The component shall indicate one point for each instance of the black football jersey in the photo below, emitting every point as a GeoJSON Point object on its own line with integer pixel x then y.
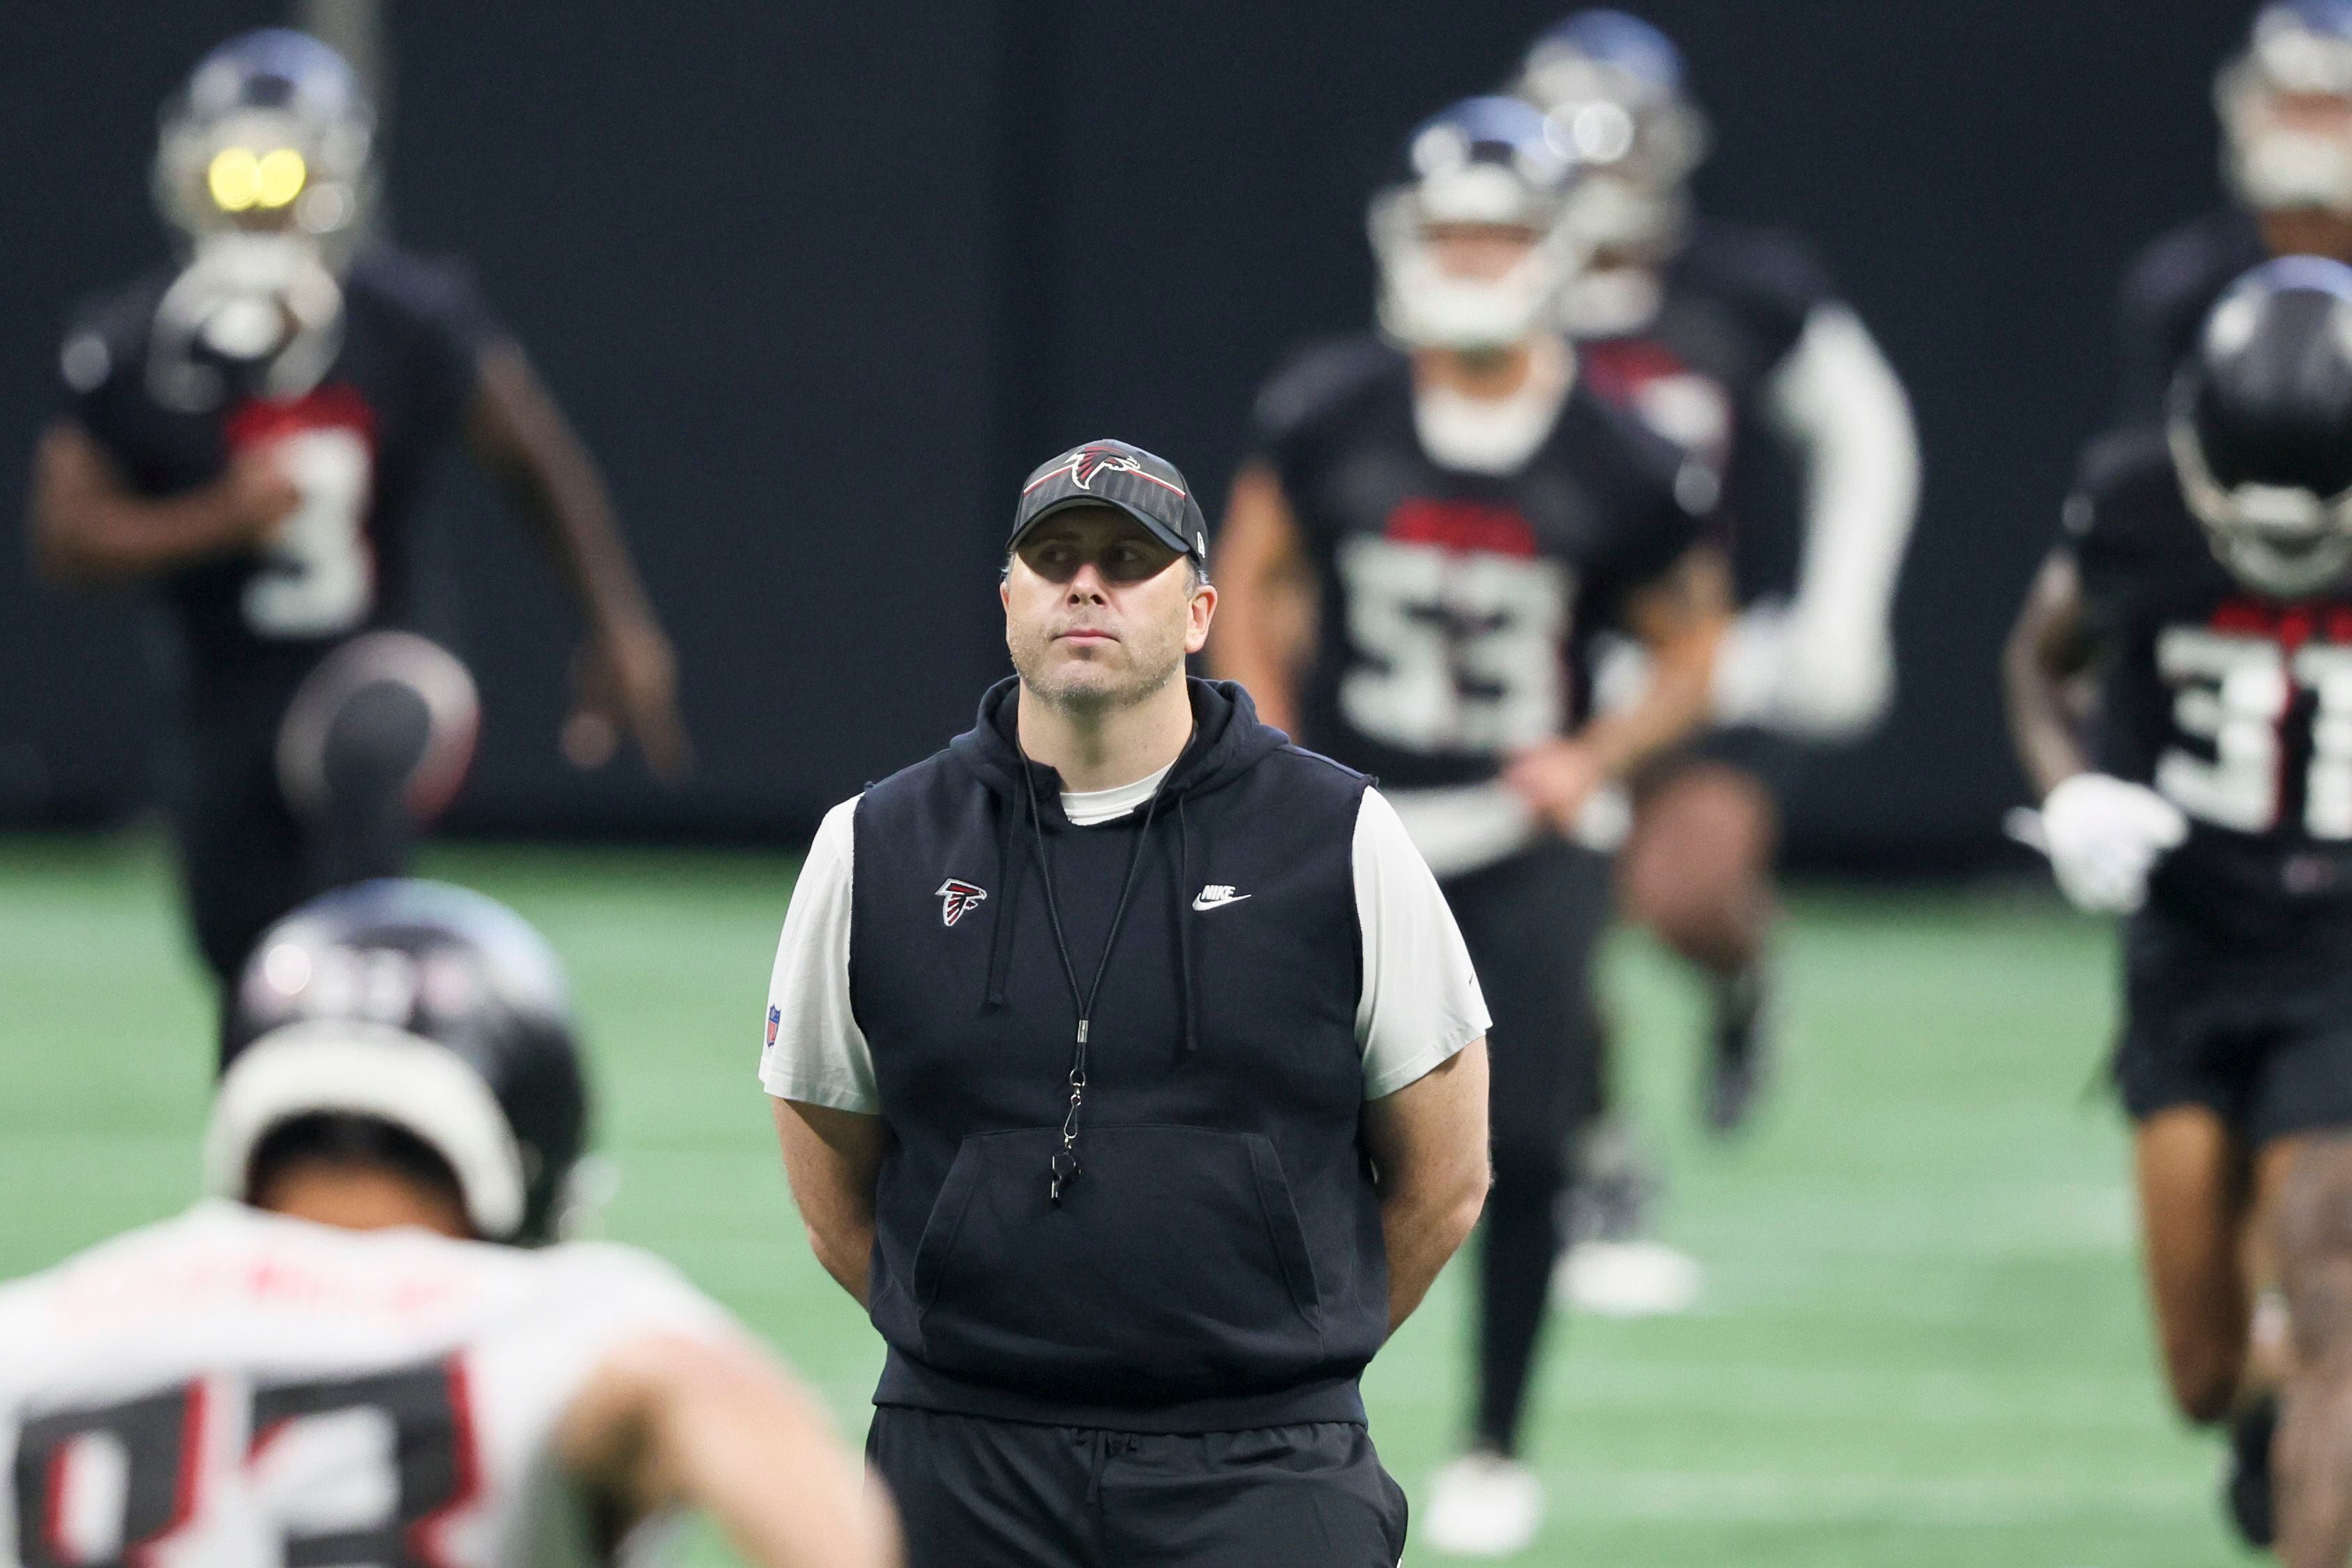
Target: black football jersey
{"type": "Point", "coordinates": [2165, 299]}
{"type": "Point", "coordinates": [1456, 608]}
{"type": "Point", "coordinates": [361, 444]}
{"type": "Point", "coordinates": [2235, 706]}
{"type": "Point", "coordinates": [1734, 302]}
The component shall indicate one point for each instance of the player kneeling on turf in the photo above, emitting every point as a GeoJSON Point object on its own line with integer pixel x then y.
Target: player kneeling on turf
{"type": "Point", "coordinates": [2205, 580]}
{"type": "Point", "coordinates": [337, 1365]}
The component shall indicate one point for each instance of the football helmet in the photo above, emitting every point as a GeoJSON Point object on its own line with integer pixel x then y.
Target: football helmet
{"type": "Point", "coordinates": [1490, 163]}
{"type": "Point", "coordinates": [264, 171]}
{"type": "Point", "coordinates": [2286, 108]}
{"type": "Point", "coordinates": [433, 1008]}
{"type": "Point", "coordinates": [2261, 426]}
{"type": "Point", "coordinates": [1613, 86]}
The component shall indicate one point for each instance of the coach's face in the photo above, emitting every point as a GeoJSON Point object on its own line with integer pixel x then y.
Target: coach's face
{"type": "Point", "coordinates": [1098, 612]}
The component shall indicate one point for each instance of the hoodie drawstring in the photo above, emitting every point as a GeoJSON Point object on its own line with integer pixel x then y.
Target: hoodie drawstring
{"type": "Point", "coordinates": [1187, 998]}
{"type": "Point", "coordinates": [1000, 944]}
{"type": "Point", "coordinates": [1065, 1162]}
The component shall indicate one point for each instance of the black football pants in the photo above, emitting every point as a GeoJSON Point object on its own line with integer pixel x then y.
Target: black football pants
{"type": "Point", "coordinates": [240, 850]}
{"type": "Point", "coordinates": [244, 859]}
{"type": "Point", "coordinates": [1533, 924]}
{"type": "Point", "coordinates": [980, 1493]}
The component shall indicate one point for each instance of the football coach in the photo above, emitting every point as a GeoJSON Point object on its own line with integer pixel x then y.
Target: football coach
{"type": "Point", "coordinates": [1131, 1073]}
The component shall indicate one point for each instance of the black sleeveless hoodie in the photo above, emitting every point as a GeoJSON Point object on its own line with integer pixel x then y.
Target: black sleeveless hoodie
{"type": "Point", "coordinates": [1217, 1262]}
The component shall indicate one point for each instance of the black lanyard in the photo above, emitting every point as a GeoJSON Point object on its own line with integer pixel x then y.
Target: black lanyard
{"type": "Point", "coordinates": [1065, 1164]}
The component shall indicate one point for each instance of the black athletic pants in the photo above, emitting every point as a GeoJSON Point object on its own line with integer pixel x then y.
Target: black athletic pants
{"type": "Point", "coordinates": [980, 1493]}
{"type": "Point", "coordinates": [1532, 924]}
{"type": "Point", "coordinates": [244, 859]}
{"type": "Point", "coordinates": [241, 851]}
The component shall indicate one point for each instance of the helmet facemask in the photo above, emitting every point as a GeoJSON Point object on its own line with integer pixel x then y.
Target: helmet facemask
{"type": "Point", "coordinates": [2260, 428]}
{"type": "Point", "coordinates": [260, 308]}
{"type": "Point", "coordinates": [1427, 303]}
{"type": "Point", "coordinates": [2286, 107]}
{"type": "Point", "coordinates": [263, 171]}
{"type": "Point", "coordinates": [272, 132]}
{"type": "Point", "coordinates": [2279, 540]}
{"type": "Point", "coordinates": [1637, 141]}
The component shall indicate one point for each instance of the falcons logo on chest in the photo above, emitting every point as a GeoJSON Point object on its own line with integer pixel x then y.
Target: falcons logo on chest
{"type": "Point", "coordinates": [956, 899]}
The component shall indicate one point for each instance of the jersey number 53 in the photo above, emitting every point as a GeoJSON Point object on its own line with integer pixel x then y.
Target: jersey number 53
{"type": "Point", "coordinates": [1452, 650]}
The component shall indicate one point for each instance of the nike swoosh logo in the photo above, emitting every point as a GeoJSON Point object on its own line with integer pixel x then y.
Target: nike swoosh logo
{"type": "Point", "coordinates": [1206, 903]}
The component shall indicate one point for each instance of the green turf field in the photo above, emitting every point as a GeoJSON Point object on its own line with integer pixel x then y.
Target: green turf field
{"type": "Point", "coordinates": [1921, 1342]}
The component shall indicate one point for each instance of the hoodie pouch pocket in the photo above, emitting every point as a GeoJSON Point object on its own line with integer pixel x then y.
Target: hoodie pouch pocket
{"type": "Point", "coordinates": [1174, 1265]}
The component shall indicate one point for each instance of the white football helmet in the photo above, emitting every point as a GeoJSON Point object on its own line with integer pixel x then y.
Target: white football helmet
{"type": "Point", "coordinates": [1487, 162]}
{"type": "Point", "coordinates": [2286, 108]}
{"type": "Point", "coordinates": [1613, 86]}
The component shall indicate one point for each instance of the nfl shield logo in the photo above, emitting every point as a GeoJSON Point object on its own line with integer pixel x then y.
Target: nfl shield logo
{"type": "Point", "coordinates": [775, 1017]}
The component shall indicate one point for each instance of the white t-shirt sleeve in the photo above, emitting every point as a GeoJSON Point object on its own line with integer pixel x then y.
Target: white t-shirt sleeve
{"type": "Point", "coordinates": [1421, 1002]}
{"type": "Point", "coordinates": [814, 1051]}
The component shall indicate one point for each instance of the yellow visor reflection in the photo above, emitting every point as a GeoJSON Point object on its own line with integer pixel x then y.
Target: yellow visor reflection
{"type": "Point", "coordinates": [240, 179]}
{"type": "Point", "coordinates": [279, 176]}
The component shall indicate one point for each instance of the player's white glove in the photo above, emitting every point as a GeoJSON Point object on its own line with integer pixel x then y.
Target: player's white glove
{"type": "Point", "coordinates": [2104, 836]}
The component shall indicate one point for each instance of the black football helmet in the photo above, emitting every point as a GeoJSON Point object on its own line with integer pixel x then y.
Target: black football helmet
{"type": "Point", "coordinates": [2261, 426]}
{"type": "Point", "coordinates": [433, 1008]}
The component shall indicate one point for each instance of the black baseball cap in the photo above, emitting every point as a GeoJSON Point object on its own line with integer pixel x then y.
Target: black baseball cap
{"type": "Point", "coordinates": [1126, 478]}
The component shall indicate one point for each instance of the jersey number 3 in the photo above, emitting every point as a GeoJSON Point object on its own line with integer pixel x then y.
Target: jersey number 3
{"type": "Point", "coordinates": [1454, 651]}
{"type": "Point", "coordinates": [316, 577]}
{"type": "Point", "coordinates": [346, 1471]}
{"type": "Point", "coordinates": [2234, 693]}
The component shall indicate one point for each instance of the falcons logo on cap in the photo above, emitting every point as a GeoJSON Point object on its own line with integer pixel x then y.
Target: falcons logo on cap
{"type": "Point", "coordinates": [1100, 460]}
{"type": "Point", "coordinates": [956, 899]}
{"type": "Point", "coordinates": [1083, 465]}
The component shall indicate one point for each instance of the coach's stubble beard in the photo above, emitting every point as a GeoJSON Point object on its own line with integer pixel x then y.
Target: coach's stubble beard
{"type": "Point", "coordinates": [1090, 688]}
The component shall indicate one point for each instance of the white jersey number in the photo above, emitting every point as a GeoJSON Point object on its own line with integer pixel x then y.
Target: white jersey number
{"type": "Point", "coordinates": [348, 1470]}
{"type": "Point", "coordinates": [1455, 651]}
{"type": "Point", "coordinates": [316, 576]}
{"type": "Point", "coordinates": [2233, 691]}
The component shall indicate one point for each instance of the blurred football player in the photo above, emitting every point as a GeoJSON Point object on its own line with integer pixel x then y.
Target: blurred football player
{"type": "Point", "coordinates": [1432, 530]}
{"type": "Point", "coordinates": [2286, 107]}
{"type": "Point", "coordinates": [2204, 582]}
{"type": "Point", "coordinates": [367, 1346]}
{"type": "Point", "coordinates": [251, 433]}
{"type": "Point", "coordinates": [1731, 342]}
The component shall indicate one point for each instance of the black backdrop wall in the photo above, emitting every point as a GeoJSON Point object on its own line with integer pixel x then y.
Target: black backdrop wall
{"type": "Point", "coordinates": [820, 282]}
